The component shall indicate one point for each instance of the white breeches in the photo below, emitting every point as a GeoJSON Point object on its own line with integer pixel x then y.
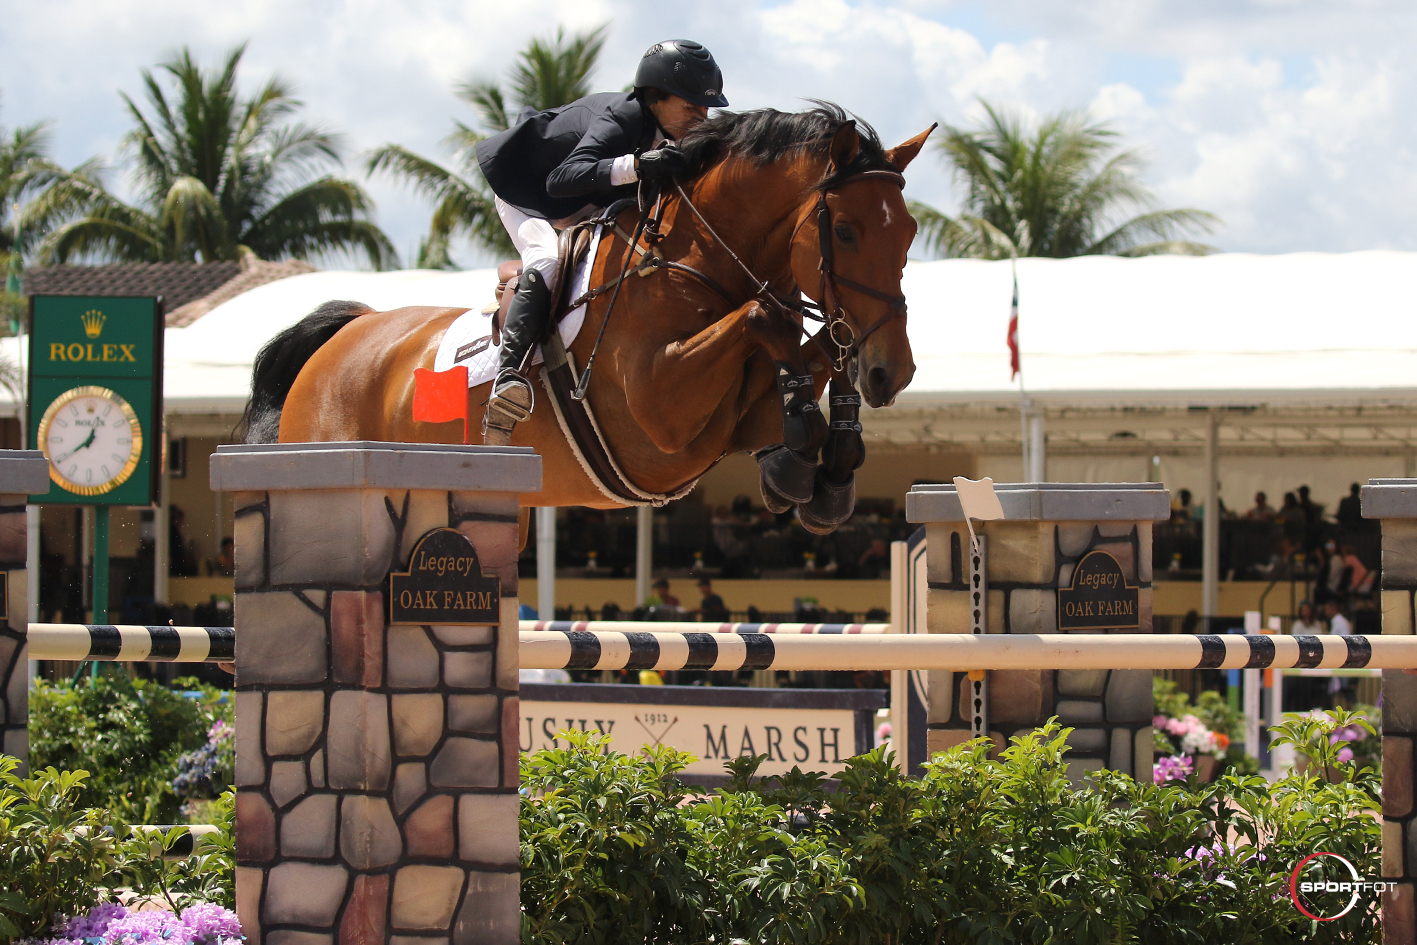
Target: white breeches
{"type": "Point", "coordinates": [533, 237]}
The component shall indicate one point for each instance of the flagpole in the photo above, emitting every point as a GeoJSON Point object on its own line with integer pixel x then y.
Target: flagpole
{"type": "Point", "coordinates": [1017, 364]}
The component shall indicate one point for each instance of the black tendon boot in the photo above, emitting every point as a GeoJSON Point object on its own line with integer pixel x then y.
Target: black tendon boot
{"type": "Point", "coordinates": [834, 493]}
{"type": "Point", "coordinates": [787, 470]}
{"type": "Point", "coordinates": [512, 398]}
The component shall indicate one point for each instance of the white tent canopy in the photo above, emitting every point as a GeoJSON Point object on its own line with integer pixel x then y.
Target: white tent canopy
{"type": "Point", "coordinates": [1168, 329]}
{"type": "Point", "coordinates": [1164, 330]}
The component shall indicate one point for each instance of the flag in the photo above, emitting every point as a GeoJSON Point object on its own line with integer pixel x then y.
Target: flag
{"type": "Point", "coordinates": [1013, 333]}
{"type": "Point", "coordinates": [439, 396]}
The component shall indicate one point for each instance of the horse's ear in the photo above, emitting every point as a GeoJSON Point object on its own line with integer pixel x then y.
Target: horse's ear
{"type": "Point", "coordinates": [844, 146]}
{"type": "Point", "coordinates": [902, 154]}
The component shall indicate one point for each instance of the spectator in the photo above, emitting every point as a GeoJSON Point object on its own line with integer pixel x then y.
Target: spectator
{"type": "Point", "coordinates": [661, 596]}
{"type": "Point", "coordinates": [1337, 623]}
{"type": "Point", "coordinates": [610, 611]}
{"type": "Point", "coordinates": [224, 564]}
{"type": "Point", "coordinates": [1332, 581]}
{"type": "Point", "coordinates": [181, 561]}
{"type": "Point", "coordinates": [711, 607]}
{"type": "Point", "coordinates": [1306, 623]}
{"type": "Point", "coordinates": [1182, 510]}
{"type": "Point", "coordinates": [1263, 511]}
{"type": "Point", "coordinates": [1350, 510]}
{"type": "Point", "coordinates": [1359, 577]}
{"type": "Point", "coordinates": [876, 559]}
{"type": "Point", "coordinates": [1312, 510]}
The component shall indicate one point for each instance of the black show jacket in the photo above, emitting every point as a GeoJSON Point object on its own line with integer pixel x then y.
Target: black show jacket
{"type": "Point", "coordinates": [553, 163]}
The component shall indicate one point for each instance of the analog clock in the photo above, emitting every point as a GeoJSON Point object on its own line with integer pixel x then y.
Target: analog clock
{"type": "Point", "coordinates": [92, 438]}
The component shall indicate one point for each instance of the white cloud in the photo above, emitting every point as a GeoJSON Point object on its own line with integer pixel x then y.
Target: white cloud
{"type": "Point", "coordinates": [1291, 118]}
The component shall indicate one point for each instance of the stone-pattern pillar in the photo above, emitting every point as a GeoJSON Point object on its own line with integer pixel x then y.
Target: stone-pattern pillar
{"type": "Point", "coordinates": [1394, 501]}
{"type": "Point", "coordinates": [1048, 528]}
{"type": "Point", "coordinates": [376, 768]}
{"type": "Point", "coordinates": [22, 473]}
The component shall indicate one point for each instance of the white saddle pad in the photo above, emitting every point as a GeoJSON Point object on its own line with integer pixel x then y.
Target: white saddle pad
{"type": "Point", "coordinates": [468, 341]}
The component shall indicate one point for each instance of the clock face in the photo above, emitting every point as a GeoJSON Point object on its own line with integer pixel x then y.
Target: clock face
{"type": "Point", "coordinates": [92, 438]}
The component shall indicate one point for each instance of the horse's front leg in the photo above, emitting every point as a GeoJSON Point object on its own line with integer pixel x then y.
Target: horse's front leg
{"type": "Point", "coordinates": [697, 374]}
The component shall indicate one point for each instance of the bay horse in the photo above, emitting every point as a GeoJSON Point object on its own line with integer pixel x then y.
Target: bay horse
{"type": "Point", "coordinates": [806, 201]}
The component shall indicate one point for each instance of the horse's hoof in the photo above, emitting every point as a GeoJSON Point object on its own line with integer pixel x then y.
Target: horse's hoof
{"type": "Point", "coordinates": [832, 503]}
{"type": "Point", "coordinates": [785, 474]}
{"type": "Point", "coordinates": [773, 502]}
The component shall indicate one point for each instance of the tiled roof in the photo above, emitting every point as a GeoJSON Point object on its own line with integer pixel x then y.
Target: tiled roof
{"type": "Point", "coordinates": [177, 283]}
{"type": "Point", "coordinates": [189, 290]}
{"type": "Point", "coordinates": [254, 272]}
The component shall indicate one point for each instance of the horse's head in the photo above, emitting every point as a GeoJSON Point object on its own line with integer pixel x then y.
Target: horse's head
{"type": "Point", "coordinates": [848, 255]}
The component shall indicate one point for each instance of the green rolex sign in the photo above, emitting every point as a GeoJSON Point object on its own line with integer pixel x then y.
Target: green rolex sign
{"type": "Point", "coordinates": [95, 397]}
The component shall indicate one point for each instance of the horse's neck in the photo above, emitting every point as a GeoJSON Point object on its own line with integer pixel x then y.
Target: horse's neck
{"type": "Point", "coordinates": [755, 209]}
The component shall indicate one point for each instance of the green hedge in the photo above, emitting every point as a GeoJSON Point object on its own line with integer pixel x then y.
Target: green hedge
{"type": "Point", "coordinates": [128, 734]}
{"type": "Point", "coordinates": [616, 850]}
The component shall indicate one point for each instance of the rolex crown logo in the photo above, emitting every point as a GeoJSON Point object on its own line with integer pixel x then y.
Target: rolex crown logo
{"type": "Point", "coordinates": [93, 321]}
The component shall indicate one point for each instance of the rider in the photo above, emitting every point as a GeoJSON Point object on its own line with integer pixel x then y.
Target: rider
{"type": "Point", "coordinates": [556, 167]}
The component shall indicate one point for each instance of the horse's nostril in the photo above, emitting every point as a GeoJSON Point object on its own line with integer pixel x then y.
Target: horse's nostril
{"type": "Point", "coordinates": [878, 380]}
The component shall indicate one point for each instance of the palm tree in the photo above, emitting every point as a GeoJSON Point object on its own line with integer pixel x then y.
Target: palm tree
{"type": "Point", "coordinates": [218, 176]}
{"type": "Point", "coordinates": [1056, 190]}
{"type": "Point", "coordinates": [548, 73]}
{"type": "Point", "coordinates": [29, 177]}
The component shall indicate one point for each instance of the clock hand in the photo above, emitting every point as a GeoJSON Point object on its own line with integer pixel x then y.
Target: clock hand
{"type": "Point", "coordinates": [86, 443]}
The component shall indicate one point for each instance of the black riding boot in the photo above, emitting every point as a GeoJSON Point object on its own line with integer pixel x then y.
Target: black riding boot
{"type": "Point", "coordinates": [512, 399]}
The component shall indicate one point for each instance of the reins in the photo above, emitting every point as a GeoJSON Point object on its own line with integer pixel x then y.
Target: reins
{"type": "Point", "coordinates": [830, 311]}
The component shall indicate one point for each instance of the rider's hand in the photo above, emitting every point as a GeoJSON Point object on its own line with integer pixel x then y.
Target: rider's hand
{"type": "Point", "coordinates": [660, 165]}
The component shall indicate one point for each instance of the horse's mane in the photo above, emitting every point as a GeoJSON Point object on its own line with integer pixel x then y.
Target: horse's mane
{"type": "Point", "coordinates": [765, 135]}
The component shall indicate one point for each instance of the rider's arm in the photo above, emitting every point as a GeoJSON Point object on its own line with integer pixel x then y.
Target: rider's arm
{"type": "Point", "coordinates": [603, 159]}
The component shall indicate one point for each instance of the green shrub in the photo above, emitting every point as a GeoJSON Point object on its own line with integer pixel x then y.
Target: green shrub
{"type": "Point", "coordinates": [60, 858]}
{"type": "Point", "coordinates": [615, 850]}
{"type": "Point", "coordinates": [128, 734]}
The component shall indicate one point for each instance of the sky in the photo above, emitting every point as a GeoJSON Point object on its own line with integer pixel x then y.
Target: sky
{"type": "Point", "coordinates": [1295, 121]}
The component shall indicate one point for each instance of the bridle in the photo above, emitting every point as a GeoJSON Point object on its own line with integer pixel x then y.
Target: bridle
{"type": "Point", "coordinates": [830, 311]}
{"type": "Point", "coordinates": [836, 330]}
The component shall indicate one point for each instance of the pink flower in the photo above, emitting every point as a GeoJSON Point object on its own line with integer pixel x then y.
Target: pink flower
{"type": "Point", "coordinates": [1345, 754]}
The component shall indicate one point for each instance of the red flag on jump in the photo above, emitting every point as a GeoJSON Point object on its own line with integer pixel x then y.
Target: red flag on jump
{"type": "Point", "coordinates": [440, 396]}
{"type": "Point", "coordinates": [1013, 333]}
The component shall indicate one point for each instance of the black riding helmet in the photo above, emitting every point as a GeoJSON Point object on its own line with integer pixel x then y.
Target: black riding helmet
{"type": "Point", "coordinates": [684, 68]}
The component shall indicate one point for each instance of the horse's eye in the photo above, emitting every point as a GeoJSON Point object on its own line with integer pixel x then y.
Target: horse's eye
{"type": "Point", "coordinates": [846, 234]}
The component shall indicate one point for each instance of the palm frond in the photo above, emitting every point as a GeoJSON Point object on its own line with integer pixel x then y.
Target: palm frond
{"type": "Point", "coordinates": [193, 217]}
{"type": "Point", "coordinates": [114, 232]}
{"type": "Point", "coordinates": [1168, 248]}
{"type": "Point", "coordinates": [1053, 189]}
{"type": "Point", "coordinates": [486, 99]}
{"type": "Point", "coordinates": [321, 217]}
{"type": "Point", "coordinates": [550, 73]}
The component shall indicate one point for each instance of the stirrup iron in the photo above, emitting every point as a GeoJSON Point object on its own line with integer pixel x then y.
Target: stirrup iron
{"type": "Point", "coordinates": [512, 401]}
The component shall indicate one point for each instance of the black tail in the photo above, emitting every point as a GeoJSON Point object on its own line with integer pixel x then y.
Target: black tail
{"type": "Point", "coordinates": [280, 361]}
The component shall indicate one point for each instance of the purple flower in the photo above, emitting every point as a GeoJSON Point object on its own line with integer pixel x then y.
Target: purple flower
{"type": "Point", "coordinates": [108, 924]}
{"type": "Point", "coordinates": [208, 922]}
{"type": "Point", "coordinates": [1171, 768]}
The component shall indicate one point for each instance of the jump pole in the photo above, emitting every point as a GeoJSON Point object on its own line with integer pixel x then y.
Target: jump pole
{"type": "Point", "coordinates": [596, 649]}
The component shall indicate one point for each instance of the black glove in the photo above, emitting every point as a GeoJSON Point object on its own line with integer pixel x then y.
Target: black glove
{"type": "Point", "coordinates": [660, 165]}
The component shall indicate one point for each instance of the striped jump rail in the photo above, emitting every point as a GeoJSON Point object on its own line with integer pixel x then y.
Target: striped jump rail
{"type": "Point", "coordinates": [601, 649]}
{"type": "Point", "coordinates": [638, 626]}
{"type": "Point", "coordinates": [130, 644]}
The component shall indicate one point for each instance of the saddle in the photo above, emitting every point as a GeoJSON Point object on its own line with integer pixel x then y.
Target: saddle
{"type": "Point", "coordinates": [571, 246]}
